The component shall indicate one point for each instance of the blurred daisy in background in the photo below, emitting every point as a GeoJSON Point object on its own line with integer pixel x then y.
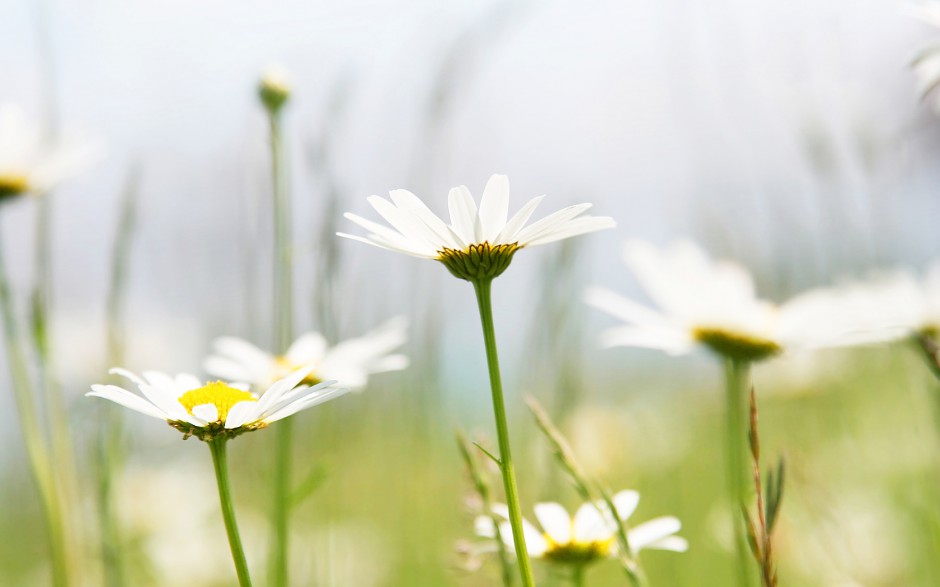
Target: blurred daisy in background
{"type": "Point", "coordinates": [926, 63]}
{"type": "Point", "coordinates": [479, 242]}
{"type": "Point", "coordinates": [31, 164]}
{"type": "Point", "coordinates": [588, 537]}
{"type": "Point", "coordinates": [215, 409]}
{"type": "Point", "coordinates": [704, 302]}
{"type": "Point", "coordinates": [349, 362]}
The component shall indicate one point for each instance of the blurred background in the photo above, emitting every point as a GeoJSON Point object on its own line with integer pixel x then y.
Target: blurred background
{"type": "Point", "coordinates": [787, 135]}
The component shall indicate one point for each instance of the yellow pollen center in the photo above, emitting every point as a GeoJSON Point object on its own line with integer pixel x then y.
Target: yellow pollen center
{"type": "Point", "coordinates": [13, 184]}
{"type": "Point", "coordinates": [222, 396]}
{"type": "Point", "coordinates": [576, 552]}
{"type": "Point", "coordinates": [736, 345]}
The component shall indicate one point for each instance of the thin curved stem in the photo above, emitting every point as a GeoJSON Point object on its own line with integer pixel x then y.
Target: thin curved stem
{"type": "Point", "coordinates": [482, 289]}
{"type": "Point", "coordinates": [36, 448]}
{"type": "Point", "coordinates": [283, 322]}
{"type": "Point", "coordinates": [737, 374]}
{"type": "Point", "coordinates": [220, 463]}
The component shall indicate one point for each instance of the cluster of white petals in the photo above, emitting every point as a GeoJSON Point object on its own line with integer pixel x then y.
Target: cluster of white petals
{"type": "Point", "coordinates": [415, 230]}
{"type": "Point", "coordinates": [590, 535]}
{"type": "Point", "coordinates": [29, 163]}
{"type": "Point", "coordinates": [186, 400]}
{"type": "Point", "coordinates": [702, 301]}
{"type": "Point", "coordinates": [350, 362]}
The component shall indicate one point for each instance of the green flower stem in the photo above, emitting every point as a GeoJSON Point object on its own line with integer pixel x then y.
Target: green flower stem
{"type": "Point", "coordinates": [36, 449]}
{"type": "Point", "coordinates": [737, 375]}
{"type": "Point", "coordinates": [220, 463]}
{"type": "Point", "coordinates": [111, 430]}
{"type": "Point", "coordinates": [482, 288]}
{"type": "Point", "coordinates": [283, 322]}
{"type": "Point", "coordinates": [577, 576]}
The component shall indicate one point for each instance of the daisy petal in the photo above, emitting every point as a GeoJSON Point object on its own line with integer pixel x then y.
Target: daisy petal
{"type": "Point", "coordinates": [127, 399]}
{"type": "Point", "coordinates": [494, 207]}
{"type": "Point", "coordinates": [649, 532]}
{"type": "Point", "coordinates": [555, 521]}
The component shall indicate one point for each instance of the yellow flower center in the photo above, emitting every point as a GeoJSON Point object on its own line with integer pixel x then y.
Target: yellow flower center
{"type": "Point", "coordinates": [476, 262]}
{"type": "Point", "coordinates": [578, 553]}
{"type": "Point", "coordinates": [222, 396]}
{"type": "Point", "coordinates": [13, 184]}
{"type": "Point", "coordinates": [735, 345]}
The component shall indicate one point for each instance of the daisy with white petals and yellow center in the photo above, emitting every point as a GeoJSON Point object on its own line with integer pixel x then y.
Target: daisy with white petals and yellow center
{"type": "Point", "coordinates": [477, 246]}
{"type": "Point", "coordinates": [479, 243]}
{"type": "Point", "coordinates": [349, 362]}
{"type": "Point", "coordinates": [714, 304]}
{"type": "Point", "coordinates": [215, 409]}
{"type": "Point", "coordinates": [28, 163]}
{"type": "Point", "coordinates": [588, 537]}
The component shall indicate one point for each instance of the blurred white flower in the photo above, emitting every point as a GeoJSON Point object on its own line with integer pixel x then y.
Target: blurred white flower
{"type": "Point", "coordinates": [349, 362]}
{"type": "Point", "coordinates": [478, 243]}
{"type": "Point", "coordinates": [900, 302]}
{"type": "Point", "coordinates": [210, 410]}
{"type": "Point", "coordinates": [590, 536]}
{"type": "Point", "coordinates": [926, 63]}
{"type": "Point", "coordinates": [28, 164]}
{"type": "Point", "coordinates": [714, 303]}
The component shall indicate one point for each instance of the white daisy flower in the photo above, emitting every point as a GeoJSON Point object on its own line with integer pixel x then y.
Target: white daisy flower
{"type": "Point", "coordinates": [349, 362]}
{"type": "Point", "coordinates": [590, 536]}
{"type": "Point", "coordinates": [714, 303]}
{"type": "Point", "coordinates": [479, 242]}
{"type": "Point", "coordinates": [214, 409]}
{"type": "Point", "coordinates": [27, 164]}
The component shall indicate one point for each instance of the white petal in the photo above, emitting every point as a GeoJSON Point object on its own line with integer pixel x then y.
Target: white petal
{"type": "Point", "coordinates": [463, 215]}
{"type": "Point", "coordinates": [241, 413]}
{"type": "Point", "coordinates": [187, 382]}
{"type": "Point", "coordinates": [126, 374]}
{"type": "Point", "coordinates": [535, 543]}
{"type": "Point", "coordinates": [548, 224]}
{"type": "Point", "coordinates": [206, 412]}
{"type": "Point", "coordinates": [241, 350]}
{"type": "Point", "coordinates": [621, 307]}
{"type": "Point", "coordinates": [409, 202]}
{"type": "Point", "coordinates": [415, 250]}
{"type": "Point", "coordinates": [673, 543]}
{"type": "Point", "coordinates": [555, 521]}
{"type": "Point", "coordinates": [163, 381]}
{"type": "Point", "coordinates": [126, 399]}
{"type": "Point", "coordinates": [591, 526]}
{"type": "Point", "coordinates": [626, 501]}
{"type": "Point", "coordinates": [280, 387]}
{"type": "Point", "coordinates": [307, 350]}
{"type": "Point", "coordinates": [572, 228]}
{"type": "Point", "coordinates": [483, 526]}
{"type": "Point", "coordinates": [304, 403]}
{"type": "Point", "coordinates": [166, 401]}
{"type": "Point", "coordinates": [410, 227]}
{"type": "Point", "coordinates": [652, 531]}
{"type": "Point", "coordinates": [518, 220]}
{"type": "Point", "coordinates": [494, 207]}
{"type": "Point", "coordinates": [672, 341]}
{"type": "Point", "coordinates": [228, 369]}
{"type": "Point", "coordinates": [377, 230]}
